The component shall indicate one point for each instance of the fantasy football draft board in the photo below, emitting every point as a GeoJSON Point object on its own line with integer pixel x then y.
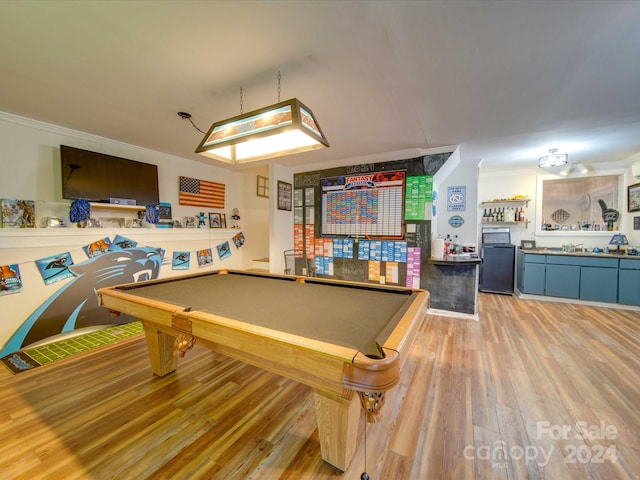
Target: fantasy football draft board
{"type": "Point", "coordinates": [359, 205]}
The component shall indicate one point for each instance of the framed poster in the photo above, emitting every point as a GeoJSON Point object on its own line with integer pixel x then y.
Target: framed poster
{"type": "Point", "coordinates": [457, 198]}
{"type": "Point", "coordinates": [285, 195]}
{"type": "Point", "coordinates": [633, 198]}
{"type": "Point", "coordinates": [363, 205]}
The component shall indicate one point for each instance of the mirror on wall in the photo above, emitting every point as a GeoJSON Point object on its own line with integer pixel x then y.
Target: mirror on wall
{"type": "Point", "coordinates": [585, 204]}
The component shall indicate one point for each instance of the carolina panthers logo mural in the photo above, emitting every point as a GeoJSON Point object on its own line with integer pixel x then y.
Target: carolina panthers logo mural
{"type": "Point", "coordinates": [75, 305]}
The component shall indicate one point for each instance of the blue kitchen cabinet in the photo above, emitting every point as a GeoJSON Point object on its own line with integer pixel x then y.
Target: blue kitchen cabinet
{"type": "Point", "coordinates": [629, 282]}
{"type": "Point", "coordinates": [532, 274]}
{"type": "Point", "coordinates": [562, 280]}
{"type": "Point", "coordinates": [598, 279]}
{"type": "Point", "coordinates": [599, 284]}
{"type": "Point", "coordinates": [589, 277]}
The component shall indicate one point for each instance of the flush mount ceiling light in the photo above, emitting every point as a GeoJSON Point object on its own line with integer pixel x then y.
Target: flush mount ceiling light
{"type": "Point", "coordinates": [281, 129]}
{"type": "Point", "coordinates": [553, 159]}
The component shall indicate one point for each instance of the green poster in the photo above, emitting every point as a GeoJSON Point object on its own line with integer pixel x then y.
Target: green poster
{"type": "Point", "coordinates": [418, 193]}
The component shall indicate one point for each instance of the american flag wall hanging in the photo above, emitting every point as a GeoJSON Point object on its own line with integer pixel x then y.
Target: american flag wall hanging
{"type": "Point", "coordinates": [201, 193]}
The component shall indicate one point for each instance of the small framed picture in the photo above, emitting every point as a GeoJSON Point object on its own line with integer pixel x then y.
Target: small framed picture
{"type": "Point", "coordinates": [262, 186]}
{"type": "Point", "coordinates": [18, 213]}
{"type": "Point", "coordinates": [217, 220]}
{"type": "Point", "coordinates": [633, 198]}
{"type": "Point", "coordinates": [285, 195]}
{"type": "Point", "coordinates": [164, 210]}
{"type": "Point", "coordinates": [527, 244]}
{"type": "Point", "coordinates": [190, 222]}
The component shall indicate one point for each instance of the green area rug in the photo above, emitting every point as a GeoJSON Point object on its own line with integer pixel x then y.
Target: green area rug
{"type": "Point", "coordinates": [30, 358]}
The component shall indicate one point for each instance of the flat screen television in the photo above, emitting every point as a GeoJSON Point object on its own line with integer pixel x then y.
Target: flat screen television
{"type": "Point", "coordinates": [97, 177]}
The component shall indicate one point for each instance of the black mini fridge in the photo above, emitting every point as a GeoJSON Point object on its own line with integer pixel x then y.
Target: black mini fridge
{"type": "Point", "coordinates": [498, 261]}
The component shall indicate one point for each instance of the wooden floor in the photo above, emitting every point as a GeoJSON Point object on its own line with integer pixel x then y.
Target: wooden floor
{"type": "Point", "coordinates": [533, 390]}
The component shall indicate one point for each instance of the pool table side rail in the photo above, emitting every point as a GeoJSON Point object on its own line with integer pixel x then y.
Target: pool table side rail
{"type": "Point", "coordinates": [290, 278]}
{"type": "Point", "coordinates": [306, 361]}
{"type": "Point", "coordinates": [407, 328]}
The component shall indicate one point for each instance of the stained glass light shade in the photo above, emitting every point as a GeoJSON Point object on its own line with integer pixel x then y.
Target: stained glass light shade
{"type": "Point", "coordinates": [282, 129]}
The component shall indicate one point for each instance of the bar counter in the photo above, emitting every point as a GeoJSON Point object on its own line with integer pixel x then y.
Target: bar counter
{"type": "Point", "coordinates": [453, 284]}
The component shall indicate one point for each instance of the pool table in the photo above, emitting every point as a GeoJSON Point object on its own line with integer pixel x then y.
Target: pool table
{"type": "Point", "coordinates": [346, 340]}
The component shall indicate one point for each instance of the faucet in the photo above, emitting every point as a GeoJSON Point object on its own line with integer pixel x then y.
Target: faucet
{"type": "Point", "coordinates": [573, 248]}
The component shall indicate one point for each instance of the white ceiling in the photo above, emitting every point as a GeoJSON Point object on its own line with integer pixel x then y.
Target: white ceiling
{"type": "Point", "coordinates": [505, 80]}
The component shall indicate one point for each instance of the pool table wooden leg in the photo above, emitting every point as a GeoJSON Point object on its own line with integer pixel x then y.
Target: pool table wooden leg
{"type": "Point", "coordinates": [338, 422]}
{"type": "Point", "coordinates": [161, 347]}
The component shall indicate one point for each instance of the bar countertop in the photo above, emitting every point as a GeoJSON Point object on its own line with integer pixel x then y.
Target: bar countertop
{"type": "Point", "coordinates": [560, 252]}
{"type": "Point", "coordinates": [456, 260]}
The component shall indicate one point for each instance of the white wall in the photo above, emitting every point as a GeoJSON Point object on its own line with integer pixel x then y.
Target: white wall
{"type": "Point", "coordinates": [466, 175]}
{"type": "Point", "coordinates": [255, 218]}
{"type": "Point", "coordinates": [281, 227]}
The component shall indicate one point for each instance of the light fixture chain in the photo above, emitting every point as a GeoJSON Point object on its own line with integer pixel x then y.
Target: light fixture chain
{"type": "Point", "coordinates": [279, 78]}
{"type": "Point", "coordinates": [241, 101]}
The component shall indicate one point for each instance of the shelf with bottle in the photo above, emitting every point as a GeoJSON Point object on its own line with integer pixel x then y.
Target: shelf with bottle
{"type": "Point", "coordinates": [505, 216]}
{"type": "Point", "coordinates": [518, 202]}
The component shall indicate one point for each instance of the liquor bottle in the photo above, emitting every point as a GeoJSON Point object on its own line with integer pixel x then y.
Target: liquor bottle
{"type": "Point", "coordinates": [521, 216]}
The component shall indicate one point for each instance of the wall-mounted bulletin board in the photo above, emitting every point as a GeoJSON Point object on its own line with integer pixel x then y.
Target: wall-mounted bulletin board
{"type": "Point", "coordinates": [367, 222]}
{"type": "Point", "coordinates": [365, 204]}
